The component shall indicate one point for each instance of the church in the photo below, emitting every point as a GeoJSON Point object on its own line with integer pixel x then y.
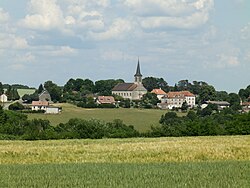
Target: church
{"type": "Point", "coordinates": [132, 91]}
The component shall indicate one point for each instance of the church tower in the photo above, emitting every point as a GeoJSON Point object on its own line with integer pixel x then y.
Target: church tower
{"type": "Point", "coordinates": [138, 75]}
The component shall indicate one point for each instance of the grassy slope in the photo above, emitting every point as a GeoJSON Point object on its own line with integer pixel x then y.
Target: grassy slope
{"type": "Point", "coordinates": [141, 119]}
{"type": "Point", "coordinates": [219, 174]}
{"type": "Point", "coordinates": [22, 92]}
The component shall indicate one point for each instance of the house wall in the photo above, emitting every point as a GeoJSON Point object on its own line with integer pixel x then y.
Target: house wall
{"type": "Point", "coordinates": [36, 108]}
{"type": "Point", "coordinates": [190, 101]}
{"type": "Point", "coordinates": [3, 98]}
{"type": "Point", "coordinates": [124, 94]}
{"type": "Point", "coordinates": [53, 110]}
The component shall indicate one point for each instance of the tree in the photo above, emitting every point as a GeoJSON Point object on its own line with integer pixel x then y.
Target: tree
{"type": "Point", "coordinates": [149, 100]}
{"type": "Point", "coordinates": [40, 89]}
{"type": "Point", "coordinates": [184, 106]}
{"type": "Point", "coordinates": [54, 90]}
{"type": "Point", "coordinates": [104, 87]}
{"type": "Point", "coordinates": [151, 83]}
{"type": "Point", "coordinates": [1, 88]}
{"type": "Point", "coordinates": [12, 93]}
{"type": "Point", "coordinates": [16, 106]}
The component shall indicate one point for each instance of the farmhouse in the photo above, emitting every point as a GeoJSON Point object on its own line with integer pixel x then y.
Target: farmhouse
{"type": "Point", "coordinates": [159, 92]}
{"type": "Point", "coordinates": [3, 98]}
{"type": "Point", "coordinates": [39, 105]}
{"type": "Point", "coordinates": [44, 105]}
{"type": "Point", "coordinates": [132, 91]}
{"type": "Point", "coordinates": [176, 99]}
{"type": "Point", "coordinates": [105, 100]}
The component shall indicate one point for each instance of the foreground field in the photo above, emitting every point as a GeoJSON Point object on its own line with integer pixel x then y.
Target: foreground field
{"type": "Point", "coordinates": [207, 174]}
{"type": "Point", "coordinates": [139, 150]}
{"type": "Point", "coordinates": [159, 162]}
{"type": "Point", "coordinates": [141, 119]}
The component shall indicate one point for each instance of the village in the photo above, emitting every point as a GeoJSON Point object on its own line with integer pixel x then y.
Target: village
{"type": "Point", "coordinates": [171, 100]}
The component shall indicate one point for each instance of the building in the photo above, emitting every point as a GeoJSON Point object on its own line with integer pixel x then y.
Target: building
{"type": "Point", "coordinates": [3, 98]}
{"type": "Point", "coordinates": [132, 91]}
{"type": "Point", "coordinates": [52, 110]}
{"type": "Point", "coordinates": [39, 105]}
{"type": "Point", "coordinates": [159, 92]}
{"type": "Point", "coordinates": [176, 99]}
{"type": "Point", "coordinates": [221, 104]}
{"type": "Point", "coordinates": [105, 100]}
{"type": "Point", "coordinates": [245, 106]}
{"type": "Point", "coordinates": [44, 105]}
{"type": "Point", "coordinates": [45, 96]}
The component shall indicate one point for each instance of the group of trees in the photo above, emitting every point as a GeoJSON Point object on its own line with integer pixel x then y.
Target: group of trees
{"type": "Point", "coordinates": [14, 125]}
{"type": "Point", "coordinates": [206, 122]}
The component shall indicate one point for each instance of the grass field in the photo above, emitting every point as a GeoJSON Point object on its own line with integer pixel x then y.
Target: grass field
{"type": "Point", "coordinates": [141, 119]}
{"type": "Point", "coordinates": [22, 92]}
{"type": "Point", "coordinates": [140, 162]}
{"type": "Point", "coordinates": [214, 175]}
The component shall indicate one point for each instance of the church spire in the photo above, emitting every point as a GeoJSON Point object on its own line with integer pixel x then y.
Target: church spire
{"type": "Point", "coordinates": [138, 75]}
{"type": "Point", "coordinates": [138, 70]}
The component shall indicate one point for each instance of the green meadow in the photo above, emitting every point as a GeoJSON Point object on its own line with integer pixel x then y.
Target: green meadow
{"type": "Point", "coordinates": [141, 119]}
{"type": "Point", "coordinates": [222, 161]}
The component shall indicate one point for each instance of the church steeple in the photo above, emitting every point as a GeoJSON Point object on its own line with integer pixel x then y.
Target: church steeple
{"type": "Point", "coordinates": [138, 75]}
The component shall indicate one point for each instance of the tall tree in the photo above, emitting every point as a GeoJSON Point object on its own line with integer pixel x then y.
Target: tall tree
{"type": "Point", "coordinates": [1, 88]}
{"type": "Point", "coordinates": [40, 89]}
{"type": "Point", "coordinates": [54, 90]}
{"type": "Point", "coordinates": [151, 83]}
{"type": "Point", "coordinates": [104, 87]}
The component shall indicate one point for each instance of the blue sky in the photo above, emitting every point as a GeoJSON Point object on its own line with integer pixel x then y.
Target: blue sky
{"type": "Point", "coordinates": [206, 40]}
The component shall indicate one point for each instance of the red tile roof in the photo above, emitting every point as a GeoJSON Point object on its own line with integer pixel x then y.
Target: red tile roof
{"type": "Point", "coordinates": [179, 94]}
{"type": "Point", "coordinates": [106, 99]}
{"type": "Point", "coordinates": [40, 103]}
{"type": "Point", "coordinates": [158, 92]}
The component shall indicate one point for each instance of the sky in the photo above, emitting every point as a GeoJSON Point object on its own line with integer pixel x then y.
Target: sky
{"type": "Point", "coordinates": [203, 40]}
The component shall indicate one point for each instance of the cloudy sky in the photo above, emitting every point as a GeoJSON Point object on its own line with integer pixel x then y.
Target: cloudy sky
{"type": "Point", "coordinates": [56, 40]}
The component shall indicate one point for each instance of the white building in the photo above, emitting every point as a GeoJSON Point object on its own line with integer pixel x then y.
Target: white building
{"type": "Point", "coordinates": [176, 99]}
{"type": "Point", "coordinates": [221, 104]}
{"type": "Point", "coordinates": [44, 105]}
{"type": "Point", "coordinates": [3, 98]}
{"type": "Point", "coordinates": [132, 91]}
{"type": "Point", "coordinates": [39, 105]}
{"type": "Point", "coordinates": [159, 92]}
{"type": "Point", "coordinates": [52, 110]}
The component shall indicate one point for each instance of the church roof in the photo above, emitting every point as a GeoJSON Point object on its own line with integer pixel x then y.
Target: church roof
{"type": "Point", "coordinates": [138, 70]}
{"type": "Point", "coordinates": [125, 87]}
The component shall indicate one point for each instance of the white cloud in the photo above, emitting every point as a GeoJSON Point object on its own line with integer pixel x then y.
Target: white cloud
{"type": "Point", "coordinates": [27, 57]}
{"type": "Point", "coordinates": [60, 51]}
{"type": "Point", "coordinates": [45, 15]}
{"type": "Point", "coordinates": [12, 41]}
{"type": "Point", "coordinates": [227, 61]}
{"type": "Point", "coordinates": [245, 32]}
{"type": "Point", "coordinates": [157, 14]}
{"type": "Point", "coordinates": [118, 30]}
{"type": "Point", "coordinates": [4, 16]}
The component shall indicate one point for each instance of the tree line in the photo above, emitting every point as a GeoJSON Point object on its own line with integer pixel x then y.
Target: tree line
{"type": "Point", "coordinates": [206, 122]}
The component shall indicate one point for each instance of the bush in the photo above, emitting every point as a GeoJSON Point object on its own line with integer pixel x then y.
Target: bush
{"type": "Point", "coordinates": [16, 106]}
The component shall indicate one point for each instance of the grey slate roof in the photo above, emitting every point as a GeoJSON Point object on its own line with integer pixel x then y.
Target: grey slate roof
{"type": "Point", "coordinates": [124, 87]}
{"type": "Point", "coordinates": [138, 70]}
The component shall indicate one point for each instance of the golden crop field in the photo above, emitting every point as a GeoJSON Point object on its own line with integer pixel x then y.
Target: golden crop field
{"type": "Point", "coordinates": [137, 150]}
